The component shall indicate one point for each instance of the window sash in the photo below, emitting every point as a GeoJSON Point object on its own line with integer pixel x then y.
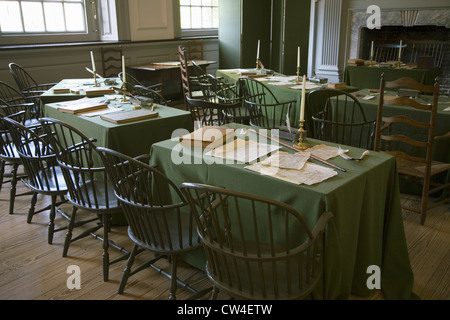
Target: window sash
{"type": "Point", "coordinates": [47, 33]}
{"type": "Point", "coordinates": [189, 8]}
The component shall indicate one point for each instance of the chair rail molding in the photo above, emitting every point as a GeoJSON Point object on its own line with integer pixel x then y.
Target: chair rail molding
{"type": "Point", "coordinates": [324, 39]}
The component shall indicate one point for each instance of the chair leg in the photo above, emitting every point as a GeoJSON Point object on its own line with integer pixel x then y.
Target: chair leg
{"type": "Point", "coordinates": [2, 172]}
{"type": "Point", "coordinates": [173, 278]}
{"type": "Point", "coordinates": [127, 271]}
{"type": "Point", "coordinates": [51, 225]}
{"type": "Point", "coordinates": [424, 202]}
{"type": "Point", "coordinates": [106, 228]}
{"type": "Point", "coordinates": [32, 207]}
{"type": "Point", "coordinates": [69, 233]}
{"type": "Point", "coordinates": [12, 193]}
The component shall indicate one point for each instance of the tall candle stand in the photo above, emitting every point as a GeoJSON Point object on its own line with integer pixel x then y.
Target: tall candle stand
{"type": "Point", "coordinates": [298, 74]}
{"type": "Point", "coordinates": [301, 137]}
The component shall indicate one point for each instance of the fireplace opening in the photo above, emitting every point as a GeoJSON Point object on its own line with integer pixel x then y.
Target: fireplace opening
{"type": "Point", "coordinates": [426, 45]}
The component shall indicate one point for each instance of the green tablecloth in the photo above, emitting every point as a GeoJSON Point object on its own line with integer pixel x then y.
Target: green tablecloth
{"type": "Point", "coordinates": [50, 97]}
{"type": "Point", "coordinates": [367, 228]}
{"type": "Point", "coordinates": [369, 77]}
{"type": "Point", "coordinates": [133, 138]}
{"type": "Point", "coordinates": [282, 93]}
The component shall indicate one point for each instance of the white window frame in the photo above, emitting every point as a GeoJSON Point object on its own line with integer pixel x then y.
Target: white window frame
{"type": "Point", "coordinates": [190, 32]}
{"type": "Point", "coordinates": [91, 33]}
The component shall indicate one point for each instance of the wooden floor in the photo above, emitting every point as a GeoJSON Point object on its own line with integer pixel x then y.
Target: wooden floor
{"type": "Point", "coordinates": [32, 269]}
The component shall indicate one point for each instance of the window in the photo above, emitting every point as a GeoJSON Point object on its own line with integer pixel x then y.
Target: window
{"type": "Point", "coordinates": [199, 16]}
{"type": "Point", "coordinates": [47, 21]}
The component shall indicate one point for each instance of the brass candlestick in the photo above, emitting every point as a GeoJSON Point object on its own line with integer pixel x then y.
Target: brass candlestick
{"type": "Point", "coordinates": [95, 79]}
{"type": "Point", "coordinates": [298, 74]}
{"type": "Point", "coordinates": [258, 64]}
{"type": "Point", "coordinates": [301, 137]}
{"type": "Point", "coordinates": [398, 63]}
{"type": "Point", "coordinates": [124, 88]}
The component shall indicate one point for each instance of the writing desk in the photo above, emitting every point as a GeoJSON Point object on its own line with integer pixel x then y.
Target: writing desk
{"type": "Point", "coordinates": [162, 72]}
{"type": "Point", "coordinates": [367, 228]}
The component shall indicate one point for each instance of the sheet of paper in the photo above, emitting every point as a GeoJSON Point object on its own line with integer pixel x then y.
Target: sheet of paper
{"type": "Point", "coordinates": [310, 174]}
{"type": "Point", "coordinates": [282, 78]}
{"type": "Point", "coordinates": [324, 152]}
{"type": "Point", "coordinates": [241, 150]}
{"type": "Point", "coordinates": [308, 86]}
{"type": "Point", "coordinates": [285, 160]}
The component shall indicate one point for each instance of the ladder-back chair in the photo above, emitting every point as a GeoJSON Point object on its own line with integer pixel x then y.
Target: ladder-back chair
{"type": "Point", "coordinates": [397, 130]}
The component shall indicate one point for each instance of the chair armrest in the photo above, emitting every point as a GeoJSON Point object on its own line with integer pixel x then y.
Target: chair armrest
{"type": "Point", "coordinates": [143, 157]}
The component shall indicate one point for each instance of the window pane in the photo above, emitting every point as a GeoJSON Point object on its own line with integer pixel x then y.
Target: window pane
{"type": "Point", "coordinates": [215, 23]}
{"type": "Point", "coordinates": [54, 17]}
{"type": "Point", "coordinates": [206, 2]}
{"type": "Point", "coordinates": [196, 2]}
{"type": "Point", "coordinates": [185, 17]}
{"type": "Point", "coordinates": [74, 17]}
{"type": "Point", "coordinates": [206, 18]}
{"type": "Point", "coordinates": [196, 17]}
{"type": "Point", "coordinates": [33, 17]}
{"type": "Point", "coordinates": [10, 20]}
{"type": "Point", "coordinates": [185, 2]}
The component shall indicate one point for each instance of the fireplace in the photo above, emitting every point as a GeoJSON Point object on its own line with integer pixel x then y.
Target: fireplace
{"type": "Point", "coordinates": [426, 33]}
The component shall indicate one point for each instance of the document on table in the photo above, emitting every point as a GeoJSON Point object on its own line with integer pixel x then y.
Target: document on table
{"type": "Point", "coordinates": [241, 150]}
{"type": "Point", "coordinates": [293, 168]}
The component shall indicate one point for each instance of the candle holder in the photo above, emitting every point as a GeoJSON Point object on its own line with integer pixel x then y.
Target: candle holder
{"type": "Point", "coordinates": [371, 63]}
{"type": "Point", "coordinates": [124, 88]}
{"type": "Point", "coordinates": [398, 63]}
{"type": "Point", "coordinates": [258, 64]}
{"type": "Point", "coordinates": [301, 137]}
{"type": "Point", "coordinates": [298, 75]}
{"type": "Point", "coordinates": [95, 79]}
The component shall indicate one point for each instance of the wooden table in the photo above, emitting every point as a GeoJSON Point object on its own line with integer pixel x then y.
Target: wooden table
{"type": "Point", "coordinates": [163, 72]}
{"type": "Point", "coordinates": [367, 228]}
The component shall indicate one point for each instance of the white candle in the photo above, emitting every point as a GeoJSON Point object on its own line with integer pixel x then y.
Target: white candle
{"type": "Point", "coordinates": [302, 106]}
{"type": "Point", "coordinates": [371, 51]}
{"type": "Point", "coordinates": [93, 62]}
{"type": "Point", "coordinates": [298, 57]}
{"type": "Point", "coordinates": [123, 70]}
{"type": "Point", "coordinates": [257, 51]}
{"type": "Point", "coordinates": [400, 51]}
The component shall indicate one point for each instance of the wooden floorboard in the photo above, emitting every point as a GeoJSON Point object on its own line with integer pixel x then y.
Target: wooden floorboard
{"type": "Point", "coordinates": [32, 269]}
